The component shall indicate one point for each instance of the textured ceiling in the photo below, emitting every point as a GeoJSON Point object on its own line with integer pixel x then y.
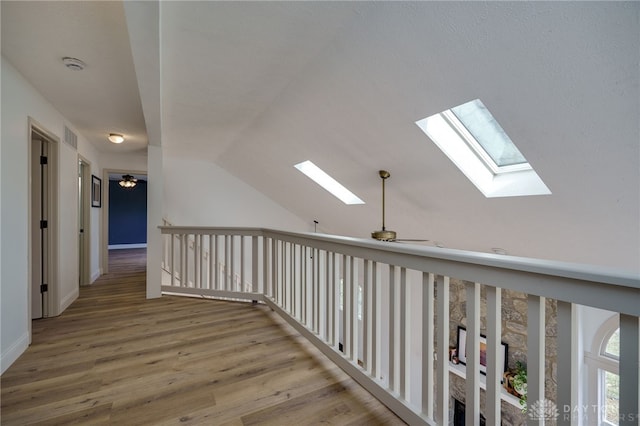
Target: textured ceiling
{"type": "Point", "coordinates": [257, 87]}
{"type": "Point", "coordinates": [101, 99]}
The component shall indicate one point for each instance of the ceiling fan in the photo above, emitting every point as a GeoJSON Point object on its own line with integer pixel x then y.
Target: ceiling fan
{"type": "Point", "coordinates": [384, 234]}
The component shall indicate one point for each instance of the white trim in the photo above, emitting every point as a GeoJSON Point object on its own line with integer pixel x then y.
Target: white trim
{"type": "Point", "coordinates": [127, 246]}
{"type": "Point", "coordinates": [14, 351]}
{"type": "Point", "coordinates": [597, 362]}
{"type": "Point", "coordinates": [104, 235]}
{"type": "Point", "coordinates": [473, 143]}
{"type": "Point", "coordinates": [67, 301]}
{"type": "Point", "coordinates": [509, 182]}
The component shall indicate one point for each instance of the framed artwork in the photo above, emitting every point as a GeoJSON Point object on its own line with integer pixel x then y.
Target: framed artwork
{"type": "Point", "coordinates": [462, 351]}
{"type": "Point", "coordinates": [96, 191]}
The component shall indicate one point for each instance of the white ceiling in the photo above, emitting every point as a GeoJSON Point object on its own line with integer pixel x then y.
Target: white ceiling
{"type": "Point", "coordinates": [101, 99]}
{"type": "Point", "coordinates": [257, 87]}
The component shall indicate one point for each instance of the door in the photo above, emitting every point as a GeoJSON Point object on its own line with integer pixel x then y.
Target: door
{"type": "Point", "coordinates": [84, 253]}
{"type": "Point", "coordinates": [40, 199]}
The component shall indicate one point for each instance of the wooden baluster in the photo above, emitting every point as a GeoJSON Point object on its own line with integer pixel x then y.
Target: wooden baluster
{"type": "Point", "coordinates": [392, 330]}
{"type": "Point", "coordinates": [366, 328]}
{"type": "Point", "coordinates": [442, 356]}
{"type": "Point", "coordinates": [255, 265]}
{"type": "Point", "coordinates": [495, 361]}
{"type": "Point", "coordinates": [197, 261]}
{"type": "Point", "coordinates": [629, 372]}
{"type": "Point", "coordinates": [328, 305]}
{"type": "Point", "coordinates": [173, 266]}
{"type": "Point", "coordinates": [375, 330]}
{"type": "Point", "coordinates": [472, 388]}
{"type": "Point", "coordinates": [242, 264]}
{"type": "Point", "coordinates": [402, 311]}
{"type": "Point", "coordinates": [535, 352]}
{"type": "Point", "coordinates": [428, 315]}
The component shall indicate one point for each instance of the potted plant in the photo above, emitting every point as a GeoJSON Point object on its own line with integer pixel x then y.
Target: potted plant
{"type": "Point", "coordinates": [516, 383]}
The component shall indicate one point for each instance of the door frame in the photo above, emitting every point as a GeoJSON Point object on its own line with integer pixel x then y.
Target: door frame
{"type": "Point", "coordinates": [104, 258]}
{"type": "Point", "coordinates": [52, 218]}
{"type": "Point", "coordinates": [84, 196]}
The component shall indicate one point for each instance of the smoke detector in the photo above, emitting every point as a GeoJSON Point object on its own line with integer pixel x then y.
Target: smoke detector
{"type": "Point", "coordinates": [73, 63]}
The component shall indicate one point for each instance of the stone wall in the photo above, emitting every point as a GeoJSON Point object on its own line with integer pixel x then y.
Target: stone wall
{"type": "Point", "coordinates": [514, 334]}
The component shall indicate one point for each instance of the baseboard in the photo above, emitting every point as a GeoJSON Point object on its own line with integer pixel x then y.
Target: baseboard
{"type": "Point", "coordinates": [69, 300]}
{"type": "Point", "coordinates": [96, 275]}
{"type": "Point", "coordinates": [13, 352]}
{"type": "Point", "coordinates": [126, 246]}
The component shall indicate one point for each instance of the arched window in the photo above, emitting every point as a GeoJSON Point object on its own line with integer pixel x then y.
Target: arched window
{"type": "Point", "coordinates": [610, 380]}
{"type": "Point", "coordinates": [604, 377]}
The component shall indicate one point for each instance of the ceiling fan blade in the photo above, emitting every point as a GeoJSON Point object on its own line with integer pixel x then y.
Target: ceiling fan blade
{"type": "Point", "coordinates": [410, 240]}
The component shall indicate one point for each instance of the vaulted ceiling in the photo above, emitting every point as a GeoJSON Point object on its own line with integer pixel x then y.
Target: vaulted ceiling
{"type": "Point", "coordinates": [257, 87]}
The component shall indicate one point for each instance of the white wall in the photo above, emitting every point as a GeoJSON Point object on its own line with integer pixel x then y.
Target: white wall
{"type": "Point", "coordinates": [19, 102]}
{"type": "Point", "coordinates": [201, 193]}
{"type": "Point", "coordinates": [14, 326]}
{"type": "Point", "coordinates": [91, 155]}
{"type": "Point", "coordinates": [137, 162]}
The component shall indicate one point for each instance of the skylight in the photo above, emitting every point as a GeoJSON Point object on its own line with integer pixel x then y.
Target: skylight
{"type": "Point", "coordinates": [327, 182]}
{"type": "Point", "coordinates": [474, 141]}
{"type": "Point", "coordinates": [477, 119]}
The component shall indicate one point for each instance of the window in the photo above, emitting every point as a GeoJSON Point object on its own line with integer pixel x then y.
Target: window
{"type": "Point", "coordinates": [609, 383]}
{"type": "Point", "coordinates": [476, 143]}
{"type": "Point", "coordinates": [612, 348]}
{"type": "Point", "coordinates": [327, 182]}
{"type": "Point", "coordinates": [604, 378]}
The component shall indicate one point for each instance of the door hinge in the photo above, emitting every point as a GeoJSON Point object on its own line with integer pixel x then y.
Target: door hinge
{"type": "Point", "coordinates": [44, 224]}
{"type": "Point", "coordinates": [44, 287]}
{"type": "Point", "coordinates": [43, 159]}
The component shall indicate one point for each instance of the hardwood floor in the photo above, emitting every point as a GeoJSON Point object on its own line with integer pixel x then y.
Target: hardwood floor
{"type": "Point", "coordinates": [114, 357]}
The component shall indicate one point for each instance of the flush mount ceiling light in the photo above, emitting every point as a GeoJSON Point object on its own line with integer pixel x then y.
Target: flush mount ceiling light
{"type": "Point", "coordinates": [128, 181]}
{"type": "Point", "coordinates": [73, 64]}
{"type": "Point", "coordinates": [116, 138]}
{"type": "Point", "coordinates": [327, 182]}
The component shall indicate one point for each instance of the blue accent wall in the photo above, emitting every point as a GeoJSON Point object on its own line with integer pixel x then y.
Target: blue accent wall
{"type": "Point", "coordinates": [127, 213]}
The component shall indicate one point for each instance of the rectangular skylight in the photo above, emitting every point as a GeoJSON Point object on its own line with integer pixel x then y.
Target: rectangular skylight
{"type": "Point", "coordinates": [327, 182]}
{"type": "Point", "coordinates": [488, 133]}
{"type": "Point", "coordinates": [474, 141]}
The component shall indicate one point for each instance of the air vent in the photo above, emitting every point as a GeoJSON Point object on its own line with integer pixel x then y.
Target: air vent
{"type": "Point", "coordinates": [70, 138]}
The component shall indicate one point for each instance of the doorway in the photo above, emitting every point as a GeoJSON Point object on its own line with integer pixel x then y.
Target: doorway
{"type": "Point", "coordinates": [84, 222]}
{"type": "Point", "coordinates": [43, 220]}
{"type": "Point", "coordinates": [109, 175]}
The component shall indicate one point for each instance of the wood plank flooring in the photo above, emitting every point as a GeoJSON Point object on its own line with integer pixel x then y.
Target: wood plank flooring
{"type": "Point", "coordinates": [114, 357]}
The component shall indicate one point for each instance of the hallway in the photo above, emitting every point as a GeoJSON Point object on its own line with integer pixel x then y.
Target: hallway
{"type": "Point", "coordinates": [116, 358]}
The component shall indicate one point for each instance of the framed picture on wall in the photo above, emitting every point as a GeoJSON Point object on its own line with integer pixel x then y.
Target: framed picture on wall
{"type": "Point", "coordinates": [462, 351]}
{"type": "Point", "coordinates": [96, 191]}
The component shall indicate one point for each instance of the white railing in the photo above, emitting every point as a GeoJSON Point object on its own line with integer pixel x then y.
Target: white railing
{"type": "Point", "coordinates": [358, 301]}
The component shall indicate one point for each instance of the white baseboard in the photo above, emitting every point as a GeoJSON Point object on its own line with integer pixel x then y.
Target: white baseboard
{"type": "Point", "coordinates": [13, 352]}
{"type": "Point", "coordinates": [69, 300]}
{"type": "Point", "coordinates": [126, 246]}
{"type": "Point", "coordinates": [96, 275]}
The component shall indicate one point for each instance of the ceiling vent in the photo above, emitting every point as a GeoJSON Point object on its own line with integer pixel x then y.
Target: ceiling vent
{"type": "Point", "coordinates": [73, 63]}
{"type": "Point", "coordinates": [70, 138]}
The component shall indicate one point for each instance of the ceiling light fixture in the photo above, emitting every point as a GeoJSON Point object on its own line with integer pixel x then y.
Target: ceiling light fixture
{"type": "Point", "coordinates": [73, 64]}
{"type": "Point", "coordinates": [128, 181]}
{"type": "Point", "coordinates": [116, 138]}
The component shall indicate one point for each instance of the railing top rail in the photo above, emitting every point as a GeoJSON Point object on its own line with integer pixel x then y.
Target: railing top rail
{"type": "Point", "coordinates": [591, 285]}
